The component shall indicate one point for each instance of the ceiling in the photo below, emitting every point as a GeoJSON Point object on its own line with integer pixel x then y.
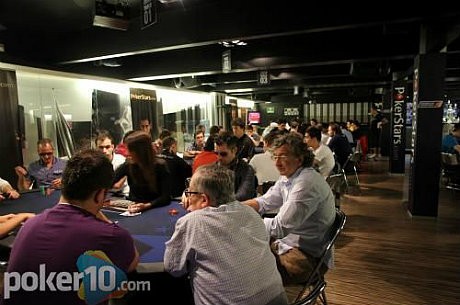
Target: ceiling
{"type": "Point", "coordinates": [322, 53]}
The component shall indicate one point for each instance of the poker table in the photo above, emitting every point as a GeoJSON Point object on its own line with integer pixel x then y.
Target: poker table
{"type": "Point", "coordinates": [150, 230]}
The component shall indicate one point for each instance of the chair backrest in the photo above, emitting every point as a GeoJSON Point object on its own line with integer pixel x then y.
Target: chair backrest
{"type": "Point", "coordinates": [356, 156]}
{"type": "Point", "coordinates": [351, 161]}
{"type": "Point", "coordinates": [267, 185]}
{"type": "Point", "coordinates": [331, 237]}
{"type": "Point", "coordinates": [449, 159]}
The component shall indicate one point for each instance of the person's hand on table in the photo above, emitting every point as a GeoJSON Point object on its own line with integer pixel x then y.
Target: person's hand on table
{"type": "Point", "coordinates": [25, 216]}
{"type": "Point", "coordinates": [14, 194]}
{"type": "Point", "coordinates": [139, 207]}
{"type": "Point", "coordinates": [56, 183]}
{"type": "Point", "coordinates": [4, 218]}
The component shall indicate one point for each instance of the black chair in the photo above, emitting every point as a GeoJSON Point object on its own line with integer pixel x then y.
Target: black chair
{"type": "Point", "coordinates": [267, 185]}
{"type": "Point", "coordinates": [316, 277]}
{"type": "Point", "coordinates": [313, 295]}
{"type": "Point", "coordinates": [450, 167]}
{"type": "Point", "coordinates": [263, 189]}
{"type": "Point", "coordinates": [338, 182]}
{"type": "Point", "coordinates": [349, 167]}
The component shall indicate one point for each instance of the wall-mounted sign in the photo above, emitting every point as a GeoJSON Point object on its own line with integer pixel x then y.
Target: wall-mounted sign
{"type": "Point", "coordinates": [291, 111]}
{"type": "Point", "coordinates": [270, 109]}
{"type": "Point", "coordinates": [398, 128]}
{"type": "Point", "coordinates": [226, 61]}
{"type": "Point", "coordinates": [148, 13]}
{"type": "Point", "coordinates": [263, 77]}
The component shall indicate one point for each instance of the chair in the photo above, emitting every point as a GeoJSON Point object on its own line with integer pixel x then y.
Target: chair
{"type": "Point", "coordinates": [450, 171]}
{"type": "Point", "coordinates": [350, 166]}
{"type": "Point", "coordinates": [267, 185]}
{"type": "Point", "coordinates": [337, 182]}
{"type": "Point", "coordinates": [311, 297]}
{"type": "Point", "coordinates": [316, 277]}
{"type": "Point", "coordinates": [263, 189]}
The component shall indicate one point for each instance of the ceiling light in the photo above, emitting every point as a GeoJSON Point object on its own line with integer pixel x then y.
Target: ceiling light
{"type": "Point", "coordinates": [112, 63]}
{"type": "Point", "coordinates": [233, 43]}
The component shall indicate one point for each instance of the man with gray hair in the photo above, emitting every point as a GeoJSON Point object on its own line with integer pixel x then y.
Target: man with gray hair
{"type": "Point", "coordinates": [222, 245]}
{"type": "Point", "coordinates": [306, 210]}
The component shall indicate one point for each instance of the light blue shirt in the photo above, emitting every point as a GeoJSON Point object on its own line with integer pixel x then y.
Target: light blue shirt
{"type": "Point", "coordinates": [41, 175]}
{"type": "Point", "coordinates": [306, 212]}
{"type": "Point", "coordinates": [225, 250]}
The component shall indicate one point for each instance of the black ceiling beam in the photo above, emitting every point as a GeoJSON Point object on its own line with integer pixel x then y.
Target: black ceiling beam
{"type": "Point", "coordinates": [209, 22]}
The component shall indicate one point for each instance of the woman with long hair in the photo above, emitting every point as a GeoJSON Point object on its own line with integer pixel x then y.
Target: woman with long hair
{"type": "Point", "coordinates": [148, 176]}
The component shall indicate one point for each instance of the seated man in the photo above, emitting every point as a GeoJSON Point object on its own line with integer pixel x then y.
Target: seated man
{"type": "Point", "coordinates": [104, 143]}
{"type": "Point", "coordinates": [46, 171]}
{"type": "Point", "coordinates": [324, 158]}
{"type": "Point", "coordinates": [195, 148]}
{"type": "Point", "coordinates": [263, 165]}
{"type": "Point", "coordinates": [451, 142]}
{"type": "Point", "coordinates": [72, 237]}
{"type": "Point", "coordinates": [227, 150]}
{"type": "Point", "coordinates": [306, 210]}
{"type": "Point", "coordinates": [178, 168]}
{"type": "Point", "coordinates": [244, 143]}
{"type": "Point", "coordinates": [7, 191]}
{"type": "Point", "coordinates": [222, 245]}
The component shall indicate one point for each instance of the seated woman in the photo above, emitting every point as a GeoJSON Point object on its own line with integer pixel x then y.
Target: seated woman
{"type": "Point", "coordinates": [148, 176]}
{"type": "Point", "coordinates": [7, 191]}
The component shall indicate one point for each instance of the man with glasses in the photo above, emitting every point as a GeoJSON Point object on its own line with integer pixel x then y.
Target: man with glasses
{"type": "Point", "coordinates": [245, 181]}
{"type": "Point", "coordinates": [306, 210]}
{"type": "Point", "coordinates": [222, 245]}
{"type": "Point", "coordinates": [46, 171]}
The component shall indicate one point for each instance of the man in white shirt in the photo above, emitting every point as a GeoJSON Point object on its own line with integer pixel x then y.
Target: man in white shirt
{"type": "Point", "coordinates": [306, 210]}
{"type": "Point", "coordinates": [324, 158]}
{"type": "Point", "coordinates": [263, 165]}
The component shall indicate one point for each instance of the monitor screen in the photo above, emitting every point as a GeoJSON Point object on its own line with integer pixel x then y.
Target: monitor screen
{"type": "Point", "coordinates": [254, 117]}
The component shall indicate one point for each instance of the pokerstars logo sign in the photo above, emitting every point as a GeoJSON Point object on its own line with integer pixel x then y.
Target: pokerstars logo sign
{"type": "Point", "coordinates": [97, 279]}
{"type": "Point", "coordinates": [398, 114]}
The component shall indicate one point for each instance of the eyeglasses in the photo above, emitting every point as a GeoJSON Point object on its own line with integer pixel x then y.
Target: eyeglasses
{"type": "Point", "coordinates": [106, 146]}
{"type": "Point", "coordinates": [190, 193]}
{"type": "Point", "coordinates": [222, 153]}
{"type": "Point", "coordinates": [45, 154]}
{"type": "Point", "coordinates": [280, 157]}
